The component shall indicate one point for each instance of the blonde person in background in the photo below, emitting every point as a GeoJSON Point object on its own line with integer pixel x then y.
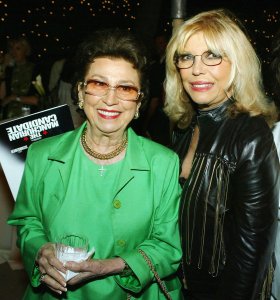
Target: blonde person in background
{"type": "Point", "coordinates": [17, 90]}
{"type": "Point", "coordinates": [229, 165]}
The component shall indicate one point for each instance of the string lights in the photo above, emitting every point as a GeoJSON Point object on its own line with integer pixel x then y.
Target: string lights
{"type": "Point", "coordinates": [54, 24]}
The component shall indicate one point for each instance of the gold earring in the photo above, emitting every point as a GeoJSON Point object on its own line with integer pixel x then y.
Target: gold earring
{"type": "Point", "coordinates": [136, 116]}
{"type": "Point", "coordinates": [81, 103]}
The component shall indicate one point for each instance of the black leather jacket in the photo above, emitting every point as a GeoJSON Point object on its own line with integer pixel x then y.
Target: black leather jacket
{"type": "Point", "coordinates": [228, 215]}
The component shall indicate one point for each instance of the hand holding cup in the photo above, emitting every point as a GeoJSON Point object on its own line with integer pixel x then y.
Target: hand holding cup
{"type": "Point", "coordinates": [72, 247]}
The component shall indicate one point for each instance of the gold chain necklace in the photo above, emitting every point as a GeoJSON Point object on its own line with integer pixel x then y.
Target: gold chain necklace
{"type": "Point", "coordinates": [101, 156]}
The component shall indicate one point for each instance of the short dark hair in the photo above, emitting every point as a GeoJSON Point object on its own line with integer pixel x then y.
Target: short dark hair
{"type": "Point", "coordinates": [112, 43]}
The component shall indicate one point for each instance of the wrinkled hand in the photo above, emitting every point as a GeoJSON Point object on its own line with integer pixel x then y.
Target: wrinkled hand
{"type": "Point", "coordinates": [50, 265]}
{"type": "Point", "coordinates": [88, 269]}
{"type": "Point", "coordinates": [94, 268]}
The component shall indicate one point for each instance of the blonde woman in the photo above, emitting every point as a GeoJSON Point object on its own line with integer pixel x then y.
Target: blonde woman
{"type": "Point", "coordinates": [229, 165]}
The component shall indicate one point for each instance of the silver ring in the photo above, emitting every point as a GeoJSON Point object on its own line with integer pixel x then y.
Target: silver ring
{"type": "Point", "coordinates": [42, 276]}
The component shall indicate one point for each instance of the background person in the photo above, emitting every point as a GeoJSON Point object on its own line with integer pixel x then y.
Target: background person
{"type": "Point", "coordinates": [60, 87]}
{"type": "Point", "coordinates": [274, 78]}
{"type": "Point", "coordinates": [104, 182]}
{"type": "Point", "coordinates": [229, 164]}
{"type": "Point", "coordinates": [17, 89]}
{"type": "Point", "coordinates": [155, 123]}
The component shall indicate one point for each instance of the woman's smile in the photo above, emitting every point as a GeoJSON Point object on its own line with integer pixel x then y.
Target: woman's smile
{"type": "Point", "coordinates": [201, 86]}
{"type": "Point", "coordinates": [108, 114]}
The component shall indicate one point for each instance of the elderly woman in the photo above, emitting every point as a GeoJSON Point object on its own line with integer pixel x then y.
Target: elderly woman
{"type": "Point", "coordinates": [229, 165]}
{"type": "Point", "coordinates": [103, 181]}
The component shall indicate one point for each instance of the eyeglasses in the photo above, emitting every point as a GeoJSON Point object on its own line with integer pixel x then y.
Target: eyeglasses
{"type": "Point", "coordinates": [186, 60]}
{"type": "Point", "coordinates": [100, 88]}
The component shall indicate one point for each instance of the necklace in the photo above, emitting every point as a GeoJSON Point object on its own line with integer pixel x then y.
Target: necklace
{"type": "Point", "coordinates": [102, 156]}
{"type": "Point", "coordinates": [102, 170]}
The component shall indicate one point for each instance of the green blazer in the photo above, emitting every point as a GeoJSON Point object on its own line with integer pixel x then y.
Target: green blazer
{"type": "Point", "coordinates": [142, 213]}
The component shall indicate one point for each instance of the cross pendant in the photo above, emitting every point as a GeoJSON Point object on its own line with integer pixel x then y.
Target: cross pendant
{"type": "Point", "coordinates": [102, 170]}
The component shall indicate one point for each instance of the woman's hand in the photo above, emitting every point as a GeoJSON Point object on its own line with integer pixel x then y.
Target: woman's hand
{"type": "Point", "coordinates": [49, 266]}
{"type": "Point", "coordinates": [94, 268]}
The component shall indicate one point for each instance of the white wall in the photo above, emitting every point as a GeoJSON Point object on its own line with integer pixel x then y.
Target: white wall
{"type": "Point", "coordinates": [6, 206]}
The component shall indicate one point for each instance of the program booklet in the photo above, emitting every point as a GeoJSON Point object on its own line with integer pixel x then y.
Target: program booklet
{"type": "Point", "coordinates": [17, 135]}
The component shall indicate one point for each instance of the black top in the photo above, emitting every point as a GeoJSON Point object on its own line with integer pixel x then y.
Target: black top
{"type": "Point", "coordinates": [228, 214]}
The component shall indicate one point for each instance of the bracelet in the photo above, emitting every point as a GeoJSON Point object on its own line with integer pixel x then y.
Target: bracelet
{"type": "Point", "coordinates": [126, 270]}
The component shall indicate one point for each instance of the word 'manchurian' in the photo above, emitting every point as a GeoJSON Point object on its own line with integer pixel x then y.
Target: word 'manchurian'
{"type": "Point", "coordinates": [32, 128]}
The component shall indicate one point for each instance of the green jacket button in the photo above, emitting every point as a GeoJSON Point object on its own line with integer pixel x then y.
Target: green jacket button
{"type": "Point", "coordinates": [121, 243]}
{"type": "Point", "coordinates": [117, 204]}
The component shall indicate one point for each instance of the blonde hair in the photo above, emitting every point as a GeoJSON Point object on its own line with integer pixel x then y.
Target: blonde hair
{"type": "Point", "coordinates": [24, 43]}
{"type": "Point", "coordinates": [224, 36]}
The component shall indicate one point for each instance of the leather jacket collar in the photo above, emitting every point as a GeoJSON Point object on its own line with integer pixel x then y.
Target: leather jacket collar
{"type": "Point", "coordinates": [216, 114]}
